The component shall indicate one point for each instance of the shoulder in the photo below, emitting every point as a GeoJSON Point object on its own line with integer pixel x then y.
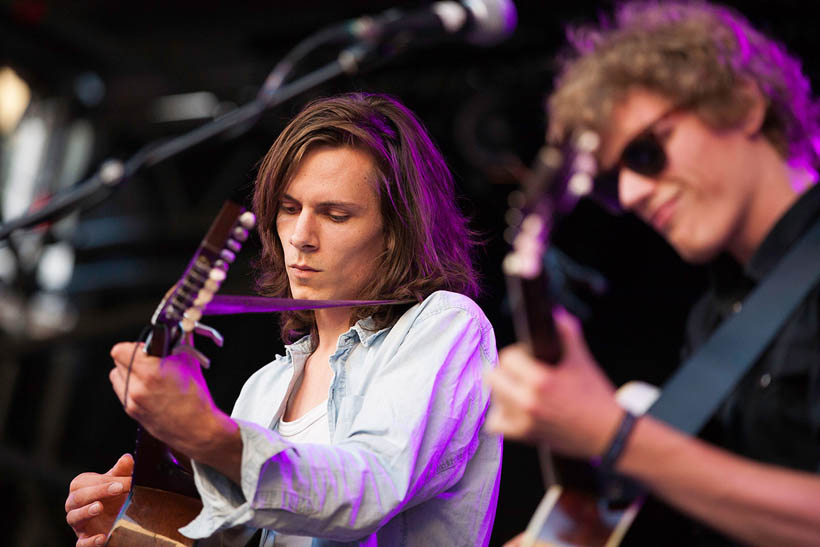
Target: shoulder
{"type": "Point", "coordinates": [449, 302]}
{"type": "Point", "coordinates": [447, 316]}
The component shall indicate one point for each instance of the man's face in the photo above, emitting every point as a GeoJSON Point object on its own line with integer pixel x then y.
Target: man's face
{"type": "Point", "coordinates": [700, 200]}
{"type": "Point", "coordinates": [330, 224]}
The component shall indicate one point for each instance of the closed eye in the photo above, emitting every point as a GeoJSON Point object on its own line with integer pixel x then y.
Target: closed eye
{"type": "Point", "coordinates": [288, 208]}
{"type": "Point", "coordinates": [335, 212]}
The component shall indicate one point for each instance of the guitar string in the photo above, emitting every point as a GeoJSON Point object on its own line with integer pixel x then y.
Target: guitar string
{"type": "Point", "coordinates": [141, 338]}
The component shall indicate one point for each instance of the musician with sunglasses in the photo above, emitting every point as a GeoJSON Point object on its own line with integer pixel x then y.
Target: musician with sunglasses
{"type": "Point", "coordinates": [712, 131]}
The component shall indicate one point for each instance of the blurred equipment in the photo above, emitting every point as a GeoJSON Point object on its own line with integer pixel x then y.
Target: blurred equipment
{"type": "Point", "coordinates": [479, 22]}
{"type": "Point", "coordinates": [47, 148]}
{"type": "Point", "coordinates": [14, 98]}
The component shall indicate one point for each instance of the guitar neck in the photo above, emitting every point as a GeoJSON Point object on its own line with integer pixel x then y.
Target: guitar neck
{"type": "Point", "coordinates": [156, 465]}
{"type": "Point", "coordinates": [534, 323]}
{"type": "Point", "coordinates": [556, 182]}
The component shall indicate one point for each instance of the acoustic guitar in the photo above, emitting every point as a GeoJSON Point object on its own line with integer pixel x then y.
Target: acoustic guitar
{"type": "Point", "coordinates": [163, 496]}
{"type": "Point", "coordinates": [573, 511]}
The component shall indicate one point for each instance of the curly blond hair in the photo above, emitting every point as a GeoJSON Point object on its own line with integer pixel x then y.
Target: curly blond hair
{"type": "Point", "coordinates": [697, 55]}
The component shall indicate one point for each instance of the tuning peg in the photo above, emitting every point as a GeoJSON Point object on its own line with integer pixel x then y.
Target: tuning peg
{"type": "Point", "coordinates": [203, 297]}
{"type": "Point", "coordinates": [227, 256]}
{"type": "Point", "coordinates": [221, 265]}
{"type": "Point", "coordinates": [194, 314]}
{"type": "Point", "coordinates": [532, 224]}
{"type": "Point", "coordinates": [247, 219]}
{"type": "Point", "coordinates": [217, 275]}
{"type": "Point", "coordinates": [580, 184]}
{"type": "Point", "coordinates": [211, 285]}
{"type": "Point", "coordinates": [233, 245]}
{"type": "Point", "coordinates": [516, 199]}
{"type": "Point", "coordinates": [240, 233]}
{"type": "Point", "coordinates": [513, 217]}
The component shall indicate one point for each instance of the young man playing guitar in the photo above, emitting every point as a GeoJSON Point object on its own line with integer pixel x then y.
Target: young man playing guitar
{"type": "Point", "coordinates": [368, 429]}
{"type": "Point", "coordinates": [711, 129]}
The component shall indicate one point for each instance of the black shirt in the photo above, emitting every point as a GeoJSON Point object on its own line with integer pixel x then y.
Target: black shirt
{"type": "Point", "coordinates": [773, 415]}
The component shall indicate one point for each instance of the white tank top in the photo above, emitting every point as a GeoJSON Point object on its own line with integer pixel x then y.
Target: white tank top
{"type": "Point", "coordinates": [313, 428]}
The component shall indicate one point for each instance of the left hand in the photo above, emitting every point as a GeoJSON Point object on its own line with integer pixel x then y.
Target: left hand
{"type": "Point", "coordinates": [569, 405]}
{"type": "Point", "coordinates": [168, 397]}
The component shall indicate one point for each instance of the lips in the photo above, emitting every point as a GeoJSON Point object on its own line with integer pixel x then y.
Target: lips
{"type": "Point", "coordinates": [662, 216]}
{"type": "Point", "coordinates": [302, 268]}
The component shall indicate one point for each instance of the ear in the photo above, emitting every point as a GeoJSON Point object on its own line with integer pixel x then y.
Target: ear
{"type": "Point", "coordinates": [749, 93]}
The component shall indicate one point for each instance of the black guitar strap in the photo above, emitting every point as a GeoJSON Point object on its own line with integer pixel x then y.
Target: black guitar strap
{"type": "Point", "coordinates": [719, 364]}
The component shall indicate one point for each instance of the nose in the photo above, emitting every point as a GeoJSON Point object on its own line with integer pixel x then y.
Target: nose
{"type": "Point", "coordinates": [303, 236]}
{"type": "Point", "coordinates": [633, 189]}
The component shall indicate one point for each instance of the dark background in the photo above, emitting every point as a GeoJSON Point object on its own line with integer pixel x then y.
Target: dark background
{"type": "Point", "coordinates": [106, 65]}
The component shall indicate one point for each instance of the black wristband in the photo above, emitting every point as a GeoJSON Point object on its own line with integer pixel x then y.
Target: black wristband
{"type": "Point", "coordinates": [618, 442]}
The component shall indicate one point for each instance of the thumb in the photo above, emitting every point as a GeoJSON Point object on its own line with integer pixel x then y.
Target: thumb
{"type": "Point", "coordinates": [572, 335]}
{"type": "Point", "coordinates": [123, 467]}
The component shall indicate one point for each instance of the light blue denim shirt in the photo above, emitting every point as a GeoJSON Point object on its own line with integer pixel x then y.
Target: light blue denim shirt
{"type": "Point", "coordinates": [408, 463]}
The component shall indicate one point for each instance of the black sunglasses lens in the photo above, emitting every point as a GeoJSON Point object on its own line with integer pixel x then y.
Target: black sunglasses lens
{"type": "Point", "coordinates": [645, 155]}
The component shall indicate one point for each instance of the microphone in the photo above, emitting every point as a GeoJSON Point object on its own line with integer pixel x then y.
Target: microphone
{"type": "Point", "coordinates": [479, 22]}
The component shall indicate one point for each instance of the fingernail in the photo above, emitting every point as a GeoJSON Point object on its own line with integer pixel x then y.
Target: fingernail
{"type": "Point", "coordinates": [100, 540]}
{"type": "Point", "coordinates": [95, 509]}
{"type": "Point", "coordinates": [115, 488]}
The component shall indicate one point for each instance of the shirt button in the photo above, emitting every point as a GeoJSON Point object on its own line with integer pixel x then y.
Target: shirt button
{"type": "Point", "coordinates": [765, 380]}
{"type": "Point", "coordinates": [737, 306]}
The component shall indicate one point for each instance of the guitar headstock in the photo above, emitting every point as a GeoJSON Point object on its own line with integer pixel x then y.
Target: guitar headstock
{"type": "Point", "coordinates": [559, 178]}
{"type": "Point", "coordinates": [178, 313]}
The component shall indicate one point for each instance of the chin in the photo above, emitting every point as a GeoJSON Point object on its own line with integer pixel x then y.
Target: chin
{"type": "Point", "coordinates": [302, 293]}
{"type": "Point", "coordinates": [697, 254]}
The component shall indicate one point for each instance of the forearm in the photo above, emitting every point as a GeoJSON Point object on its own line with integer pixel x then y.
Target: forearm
{"type": "Point", "coordinates": [219, 446]}
{"type": "Point", "coordinates": [756, 503]}
{"type": "Point", "coordinates": [320, 490]}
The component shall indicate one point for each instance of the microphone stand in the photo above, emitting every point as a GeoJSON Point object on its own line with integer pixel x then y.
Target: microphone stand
{"type": "Point", "coordinates": [114, 172]}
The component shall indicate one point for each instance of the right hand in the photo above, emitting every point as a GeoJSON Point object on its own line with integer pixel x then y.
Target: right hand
{"type": "Point", "coordinates": [94, 501]}
{"type": "Point", "coordinates": [570, 406]}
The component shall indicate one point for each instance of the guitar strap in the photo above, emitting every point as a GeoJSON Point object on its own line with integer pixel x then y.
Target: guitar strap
{"type": "Point", "coordinates": [719, 364]}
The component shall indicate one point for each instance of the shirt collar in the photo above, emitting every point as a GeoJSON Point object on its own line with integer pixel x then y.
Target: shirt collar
{"type": "Point", "coordinates": [786, 232]}
{"type": "Point", "coordinates": [300, 346]}
{"type": "Point", "coordinates": [363, 331]}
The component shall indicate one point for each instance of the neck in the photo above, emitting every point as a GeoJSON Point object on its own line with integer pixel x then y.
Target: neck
{"type": "Point", "coordinates": [330, 324]}
{"type": "Point", "coordinates": [775, 191]}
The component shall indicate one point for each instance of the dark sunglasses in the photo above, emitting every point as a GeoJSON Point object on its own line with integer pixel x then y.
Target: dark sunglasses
{"type": "Point", "coordinates": [643, 154]}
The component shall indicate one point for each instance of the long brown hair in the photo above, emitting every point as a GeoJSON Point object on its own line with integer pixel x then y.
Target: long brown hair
{"type": "Point", "coordinates": [427, 238]}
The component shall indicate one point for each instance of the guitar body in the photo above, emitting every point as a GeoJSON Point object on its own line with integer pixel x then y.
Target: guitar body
{"type": "Point", "coordinates": [153, 517]}
{"type": "Point", "coordinates": [163, 497]}
{"type": "Point", "coordinates": [577, 514]}
{"type": "Point", "coordinates": [579, 518]}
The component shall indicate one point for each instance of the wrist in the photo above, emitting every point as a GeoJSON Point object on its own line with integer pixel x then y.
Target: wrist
{"type": "Point", "coordinates": [609, 458]}
{"type": "Point", "coordinates": [219, 443]}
